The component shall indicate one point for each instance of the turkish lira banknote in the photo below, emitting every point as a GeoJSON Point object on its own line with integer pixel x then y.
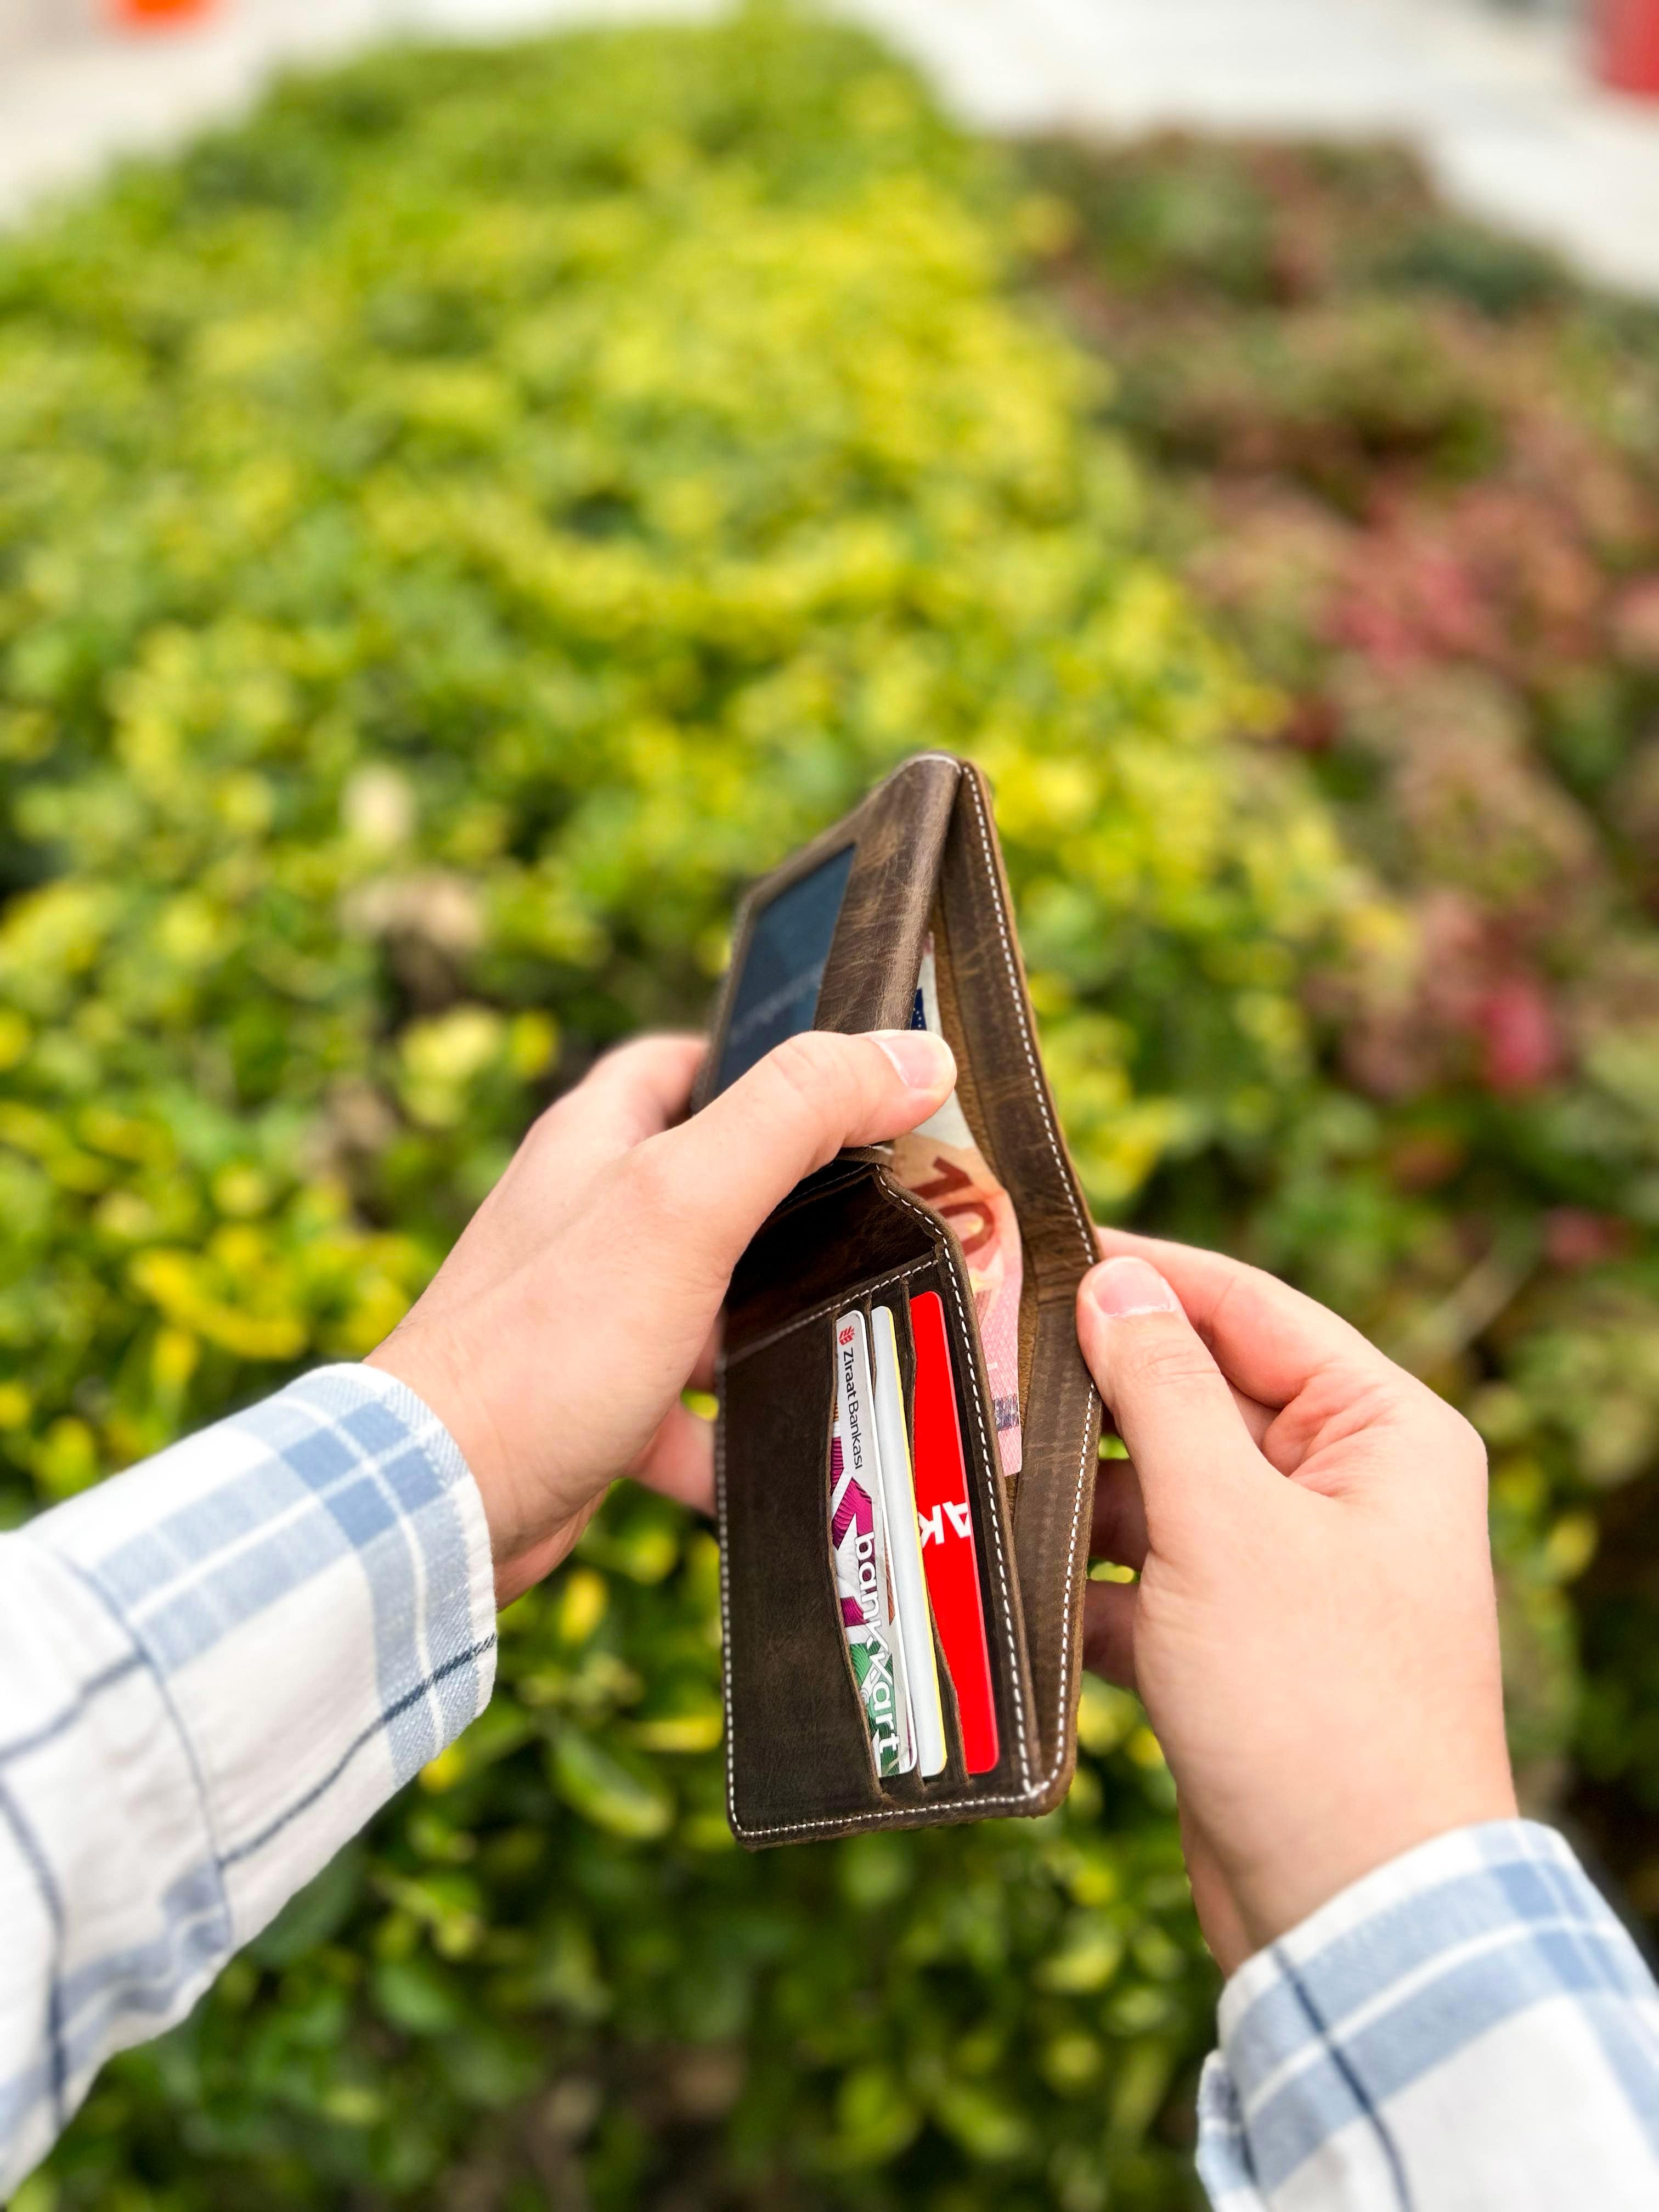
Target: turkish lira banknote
{"type": "Point", "coordinates": [941, 1163]}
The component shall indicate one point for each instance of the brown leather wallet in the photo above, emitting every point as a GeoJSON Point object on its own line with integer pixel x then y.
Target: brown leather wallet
{"type": "Point", "coordinates": [917, 863]}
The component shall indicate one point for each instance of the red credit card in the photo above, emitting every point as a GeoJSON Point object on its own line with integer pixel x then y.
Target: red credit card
{"type": "Point", "coordinates": [949, 1555]}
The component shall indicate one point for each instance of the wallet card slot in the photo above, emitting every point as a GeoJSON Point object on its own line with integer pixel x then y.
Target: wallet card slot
{"type": "Point", "coordinates": [831, 1468]}
{"type": "Point", "coordinates": [992, 1549]}
{"type": "Point", "coordinates": [866, 1562]}
{"type": "Point", "coordinates": [918, 1787]}
{"type": "Point", "coordinates": [819, 1252]}
{"type": "Point", "coordinates": [955, 1777]}
{"type": "Point", "coordinates": [911, 1787]}
{"type": "Point", "coordinates": [799, 1755]}
{"type": "Point", "coordinates": [794, 1723]}
{"type": "Point", "coordinates": [893, 1282]}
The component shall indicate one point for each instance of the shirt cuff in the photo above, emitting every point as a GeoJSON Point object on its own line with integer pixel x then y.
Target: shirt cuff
{"type": "Point", "coordinates": [1337, 2040]}
{"type": "Point", "coordinates": [310, 1585]}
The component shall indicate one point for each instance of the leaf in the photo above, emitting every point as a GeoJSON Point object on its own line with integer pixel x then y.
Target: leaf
{"type": "Point", "coordinates": [1089, 1955]}
{"type": "Point", "coordinates": [876, 2117]}
{"type": "Point", "coordinates": [987, 2127]}
{"type": "Point", "coordinates": [615, 1792]}
{"type": "Point", "coordinates": [415, 1994]}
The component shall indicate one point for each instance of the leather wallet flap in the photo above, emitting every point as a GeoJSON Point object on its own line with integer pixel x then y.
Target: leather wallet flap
{"type": "Point", "coordinates": [1006, 1098]}
{"type": "Point", "coordinates": [896, 841]}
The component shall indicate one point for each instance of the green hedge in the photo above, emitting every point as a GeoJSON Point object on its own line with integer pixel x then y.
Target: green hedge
{"type": "Point", "coordinates": [453, 531]}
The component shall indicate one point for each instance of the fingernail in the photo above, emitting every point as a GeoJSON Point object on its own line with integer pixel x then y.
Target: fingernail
{"type": "Point", "coordinates": [925, 1061]}
{"type": "Point", "coordinates": [1119, 1287]}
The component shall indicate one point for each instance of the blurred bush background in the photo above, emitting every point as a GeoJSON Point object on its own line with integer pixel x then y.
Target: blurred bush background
{"type": "Point", "coordinates": [454, 531]}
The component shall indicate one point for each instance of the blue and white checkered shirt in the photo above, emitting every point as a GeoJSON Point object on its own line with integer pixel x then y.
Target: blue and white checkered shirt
{"type": "Point", "coordinates": [1468, 2029]}
{"type": "Point", "coordinates": [213, 1670]}
{"type": "Point", "coordinates": [216, 1666]}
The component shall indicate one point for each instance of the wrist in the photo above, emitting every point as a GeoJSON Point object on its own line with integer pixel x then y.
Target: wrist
{"type": "Point", "coordinates": [1305, 1872]}
{"type": "Point", "coordinates": [411, 1356]}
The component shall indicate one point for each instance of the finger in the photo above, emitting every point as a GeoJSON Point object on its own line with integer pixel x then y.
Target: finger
{"type": "Point", "coordinates": [1109, 1630]}
{"type": "Point", "coordinates": [794, 1111]}
{"type": "Point", "coordinates": [678, 1462]}
{"type": "Point", "coordinates": [706, 1363]}
{"type": "Point", "coordinates": [1281, 1451]}
{"type": "Point", "coordinates": [1257, 1418]}
{"type": "Point", "coordinates": [1268, 1338]}
{"type": "Point", "coordinates": [1171, 1402]}
{"type": "Point", "coordinates": [630, 1094]}
{"type": "Point", "coordinates": [1118, 1532]}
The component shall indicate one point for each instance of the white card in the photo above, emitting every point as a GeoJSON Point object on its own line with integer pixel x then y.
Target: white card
{"type": "Point", "coordinates": [904, 1543]}
{"type": "Point", "coordinates": [860, 1533]}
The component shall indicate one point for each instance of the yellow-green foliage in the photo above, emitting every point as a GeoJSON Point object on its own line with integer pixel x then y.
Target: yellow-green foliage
{"type": "Point", "coordinates": [453, 531]}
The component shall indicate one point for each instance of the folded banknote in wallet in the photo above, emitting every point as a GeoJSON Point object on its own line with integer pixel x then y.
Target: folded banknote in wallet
{"type": "Point", "coordinates": [908, 1435]}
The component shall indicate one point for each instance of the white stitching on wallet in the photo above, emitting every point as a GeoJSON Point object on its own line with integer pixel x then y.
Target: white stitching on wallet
{"type": "Point", "coordinates": [726, 1598]}
{"type": "Point", "coordinates": [1071, 1582]}
{"type": "Point", "coordinates": [911, 1813]}
{"type": "Point", "coordinates": [850, 1296]}
{"type": "Point", "coordinates": [1026, 1039]}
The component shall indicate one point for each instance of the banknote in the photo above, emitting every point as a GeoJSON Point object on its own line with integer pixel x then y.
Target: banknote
{"type": "Point", "coordinates": [941, 1163]}
{"type": "Point", "coordinates": [864, 1577]}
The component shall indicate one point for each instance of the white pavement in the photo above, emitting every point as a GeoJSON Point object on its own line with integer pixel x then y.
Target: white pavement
{"type": "Point", "coordinates": [1501, 104]}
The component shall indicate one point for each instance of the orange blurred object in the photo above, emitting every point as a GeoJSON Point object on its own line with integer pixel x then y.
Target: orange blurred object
{"type": "Point", "coordinates": [1628, 46]}
{"type": "Point", "coordinates": [154, 15]}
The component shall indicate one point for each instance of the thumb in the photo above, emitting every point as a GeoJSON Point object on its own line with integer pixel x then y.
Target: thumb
{"type": "Point", "coordinates": [791, 1113]}
{"type": "Point", "coordinates": [1172, 1404]}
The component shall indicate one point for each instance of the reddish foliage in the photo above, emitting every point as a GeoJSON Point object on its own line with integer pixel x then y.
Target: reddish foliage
{"type": "Point", "coordinates": [1312, 723]}
{"type": "Point", "coordinates": [1440, 553]}
{"type": "Point", "coordinates": [1408, 597]}
{"type": "Point", "coordinates": [1522, 1048]}
{"type": "Point", "coordinates": [1576, 1238]}
{"type": "Point", "coordinates": [1500, 575]}
{"type": "Point", "coordinates": [1478, 1011]}
{"type": "Point", "coordinates": [1635, 622]}
{"type": "Point", "coordinates": [1424, 1159]}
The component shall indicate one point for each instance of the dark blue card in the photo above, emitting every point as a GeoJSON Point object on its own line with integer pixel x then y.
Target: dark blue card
{"type": "Point", "coordinates": [777, 992]}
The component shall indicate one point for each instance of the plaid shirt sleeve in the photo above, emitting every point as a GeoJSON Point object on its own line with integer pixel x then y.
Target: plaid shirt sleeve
{"type": "Point", "coordinates": [1467, 2027]}
{"type": "Point", "coordinates": [213, 1670]}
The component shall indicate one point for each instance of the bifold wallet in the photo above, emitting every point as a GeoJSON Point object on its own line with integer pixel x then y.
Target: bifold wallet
{"type": "Point", "coordinates": [900, 916]}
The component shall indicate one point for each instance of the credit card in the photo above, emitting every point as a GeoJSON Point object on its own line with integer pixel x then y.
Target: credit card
{"type": "Point", "coordinates": [944, 1519]}
{"type": "Point", "coordinates": [904, 1543]}
{"type": "Point", "coordinates": [858, 1531]}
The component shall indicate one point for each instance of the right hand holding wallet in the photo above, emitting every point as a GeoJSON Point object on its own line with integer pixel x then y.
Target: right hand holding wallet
{"type": "Point", "coordinates": [908, 1434]}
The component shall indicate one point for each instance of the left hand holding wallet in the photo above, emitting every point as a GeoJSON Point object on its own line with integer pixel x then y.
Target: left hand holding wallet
{"type": "Point", "coordinates": [1314, 1633]}
{"type": "Point", "coordinates": [555, 1341]}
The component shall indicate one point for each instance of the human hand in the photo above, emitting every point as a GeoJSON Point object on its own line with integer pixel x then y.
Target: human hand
{"type": "Point", "coordinates": [556, 1340]}
{"type": "Point", "coordinates": [1313, 1633]}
